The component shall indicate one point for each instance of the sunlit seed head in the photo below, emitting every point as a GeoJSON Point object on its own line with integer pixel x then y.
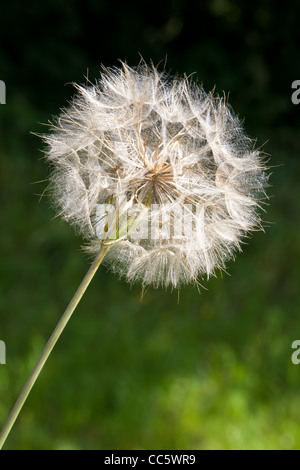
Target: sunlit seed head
{"type": "Point", "coordinates": [141, 136]}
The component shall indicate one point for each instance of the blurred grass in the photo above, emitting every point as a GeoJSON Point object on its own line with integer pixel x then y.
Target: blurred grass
{"type": "Point", "coordinates": [212, 370]}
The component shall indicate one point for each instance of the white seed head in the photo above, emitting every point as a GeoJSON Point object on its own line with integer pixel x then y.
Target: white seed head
{"type": "Point", "coordinates": [176, 157]}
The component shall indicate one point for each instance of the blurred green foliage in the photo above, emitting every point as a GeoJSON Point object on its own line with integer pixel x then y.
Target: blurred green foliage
{"type": "Point", "coordinates": [212, 369]}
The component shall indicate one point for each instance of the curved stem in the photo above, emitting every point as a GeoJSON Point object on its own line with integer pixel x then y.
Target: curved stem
{"type": "Point", "coordinates": [51, 343]}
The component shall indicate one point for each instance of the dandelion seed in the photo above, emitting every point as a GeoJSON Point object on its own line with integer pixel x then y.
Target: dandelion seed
{"type": "Point", "coordinates": [139, 135]}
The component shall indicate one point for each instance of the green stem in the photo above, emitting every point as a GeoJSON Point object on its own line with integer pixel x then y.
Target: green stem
{"type": "Point", "coordinates": [51, 343]}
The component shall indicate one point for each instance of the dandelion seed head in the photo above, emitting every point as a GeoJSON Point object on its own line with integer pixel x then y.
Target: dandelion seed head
{"type": "Point", "coordinates": [163, 144]}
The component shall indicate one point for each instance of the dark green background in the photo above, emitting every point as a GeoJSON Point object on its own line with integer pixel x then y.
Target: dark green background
{"type": "Point", "coordinates": [213, 370]}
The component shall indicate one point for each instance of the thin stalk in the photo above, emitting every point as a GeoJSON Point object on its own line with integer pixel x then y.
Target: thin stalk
{"type": "Point", "coordinates": [51, 343]}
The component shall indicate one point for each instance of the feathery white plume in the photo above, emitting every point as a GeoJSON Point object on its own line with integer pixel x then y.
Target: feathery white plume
{"type": "Point", "coordinates": [173, 156]}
